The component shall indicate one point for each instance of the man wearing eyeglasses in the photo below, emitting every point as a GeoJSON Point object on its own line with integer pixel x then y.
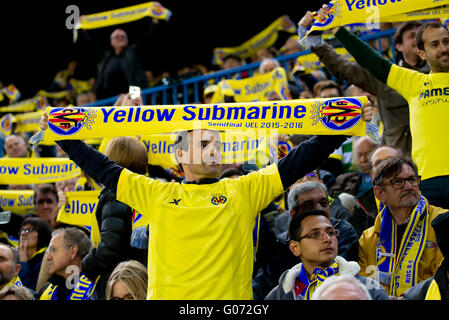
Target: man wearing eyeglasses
{"type": "Point", "coordinates": [314, 240]}
{"type": "Point", "coordinates": [400, 249]}
{"type": "Point", "coordinates": [306, 196]}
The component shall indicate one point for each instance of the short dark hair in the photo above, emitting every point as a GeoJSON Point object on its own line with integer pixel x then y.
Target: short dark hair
{"type": "Point", "coordinates": [45, 188]}
{"type": "Point", "coordinates": [427, 25]}
{"type": "Point", "coordinates": [43, 229]}
{"type": "Point", "coordinates": [390, 167]}
{"type": "Point", "coordinates": [232, 56]}
{"type": "Point", "coordinates": [295, 229]}
{"type": "Point", "coordinates": [402, 28]}
{"type": "Point", "coordinates": [320, 86]}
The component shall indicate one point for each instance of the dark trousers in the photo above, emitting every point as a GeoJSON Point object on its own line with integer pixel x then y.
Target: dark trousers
{"type": "Point", "coordinates": [436, 190]}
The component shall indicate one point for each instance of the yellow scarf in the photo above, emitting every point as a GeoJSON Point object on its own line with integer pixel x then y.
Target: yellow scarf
{"type": "Point", "coordinates": [254, 88]}
{"type": "Point", "coordinates": [334, 116]}
{"type": "Point", "coordinates": [343, 12]}
{"type": "Point", "coordinates": [15, 282]}
{"type": "Point", "coordinates": [124, 15]}
{"type": "Point", "coordinates": [398, 265]}
{"type": "Point", "coordinates": [20, 202]}
{"type": "Point", "coordinates": [36, 170]}
{"type": "Point", "coordinates": [264, 39]}
{"type": "Point", "coordinates": [80, 208]}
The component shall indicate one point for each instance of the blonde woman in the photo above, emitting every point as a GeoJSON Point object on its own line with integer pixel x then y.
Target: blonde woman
{"type": "Point", "coordinates": [128, 281]}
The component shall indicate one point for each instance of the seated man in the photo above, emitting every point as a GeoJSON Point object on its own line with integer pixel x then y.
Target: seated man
{"type": "Point", "coordinates": [314, 241]}
{"type": "Point", "coordinates": [401, 244]}
{"type": "Point", "coordinates": [310, 195]}
{"type": "Point", "coordinates": [9, 266]}
{"type": "Point", "coordinates": [68, 247]}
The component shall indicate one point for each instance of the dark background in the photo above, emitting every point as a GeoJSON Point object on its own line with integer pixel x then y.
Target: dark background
{"type": "Point", "coordinates": [36, 43]}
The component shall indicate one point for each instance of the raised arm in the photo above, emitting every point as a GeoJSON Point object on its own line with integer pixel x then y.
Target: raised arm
{"type": "Point", "coordinates": [366, 56]}
{"type": "Point", "coordinates": [97, 166]}
{"type": "Point", "coordinates": [306, 157]}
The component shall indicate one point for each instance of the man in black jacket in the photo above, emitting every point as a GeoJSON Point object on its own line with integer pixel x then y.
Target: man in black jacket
{"type": "Point", "coordinates": [120, 67]}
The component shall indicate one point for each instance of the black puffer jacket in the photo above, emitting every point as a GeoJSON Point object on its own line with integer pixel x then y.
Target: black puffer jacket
{"type": "Point", "coordinates": [114, 222]}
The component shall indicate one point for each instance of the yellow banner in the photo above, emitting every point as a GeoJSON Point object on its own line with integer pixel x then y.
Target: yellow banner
{"type": "Point", "coordinates": [426, 14]}
{"type": "Point", "coordinates": [254, 88]}
{"type": "Point", "coordinates": [264, 39]}
{"type": "Point", "coordinates": [17, 201]}
{"type": "Point", "coordinates": [336, 116]}
{"type": "Point", "coordinates": [123, 15]}
{"type": "Point", "coordinates": [343, 12]}
{"type": "Point", "coordinates": [36, 170]}
{"type": "Point", "coordinates": [309, 62]}
{"type": "Point", "coordinates": [53, 95]}
{"type": "Point", "coordinates": [28, 122]}
{"type": "Point", "coordinates": [36, 103]}
{"type": "Point", "coordinates": [80, 207]}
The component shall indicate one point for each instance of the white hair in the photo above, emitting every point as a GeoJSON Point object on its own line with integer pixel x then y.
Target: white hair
{"type": "Point", "coordinates": [336, 280]}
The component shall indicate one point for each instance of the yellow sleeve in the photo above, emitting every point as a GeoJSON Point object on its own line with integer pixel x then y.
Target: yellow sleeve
{"type": "Point", "coordinates": [404, 80]}
{"type": "Point", "coordinates": [138, 191]}
{"type": "Point", "coordinates": [261, 187]}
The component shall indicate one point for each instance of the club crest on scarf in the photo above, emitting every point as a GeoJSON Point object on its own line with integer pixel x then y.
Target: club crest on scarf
{"type": "Point", "coordinates": [68, 121]}
{"type": "Point", "coordinates": [157, 10]}
{"type": "Point", "coordinates": [330, 15]}
{"type": "Point", "coordinates": [337, 114]}
{"type": "Point", "coordinates": [6, 123]}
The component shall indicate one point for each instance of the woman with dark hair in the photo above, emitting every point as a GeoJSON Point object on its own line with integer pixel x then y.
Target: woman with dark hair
{"type": "Point", "coordinates": [34, 237]}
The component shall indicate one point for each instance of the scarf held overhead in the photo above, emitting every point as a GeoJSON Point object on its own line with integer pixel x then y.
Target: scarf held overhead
{"type": "Point", "coordinates": [343, 12]}
{"type": "Point", "coordinates": [264, 39]}
{"type": "Point", "coordinates": [255, 88]}
{"type": "Point", "coordinates": [36, 170]}
{"type": "Point", "coordinates": [334, 116]}
{"type": "Point", "coordinates": [123, 15]}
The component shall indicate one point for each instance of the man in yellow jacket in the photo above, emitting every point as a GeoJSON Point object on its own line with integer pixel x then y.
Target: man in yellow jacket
{"type": "Point", "coordinates": [400, 250]}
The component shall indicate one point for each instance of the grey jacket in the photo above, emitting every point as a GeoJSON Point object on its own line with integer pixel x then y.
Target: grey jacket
{"type": "Point", "coordinates": [285, 289]}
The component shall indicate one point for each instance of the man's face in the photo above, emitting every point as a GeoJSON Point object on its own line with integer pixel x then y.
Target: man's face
{"type": "Point", "coordinates": [394, 198]}
{"type": "Point", "coordinates": [329, 93]}
{"type": "Point", "coordinates": [58, 256]}
{"type": "Point", "coordinates": [315, 199]}
{"type": "Point", "coordinates": [7, 268]}
{"type": "Point", "coordinates": [15, 147]}
{"type": "Point", "coordinates": [408, 46]}
{"type": "Point", "coordinates": [379, 155]}
{"type": "Point", "coordinates": [119, 39]}
{"type": "Point", "coordinates": [231, 63]}
{"type": "Point", "coordinates": [203, 159]}
{"type": "Point", "coordinates": [363, 150]}
{"type": "Point", "coordinates": [46, 206]}
{"type": "Point", "coordinates": [436, 49]}
{"type": "Point", "coordinates": [317, 252]}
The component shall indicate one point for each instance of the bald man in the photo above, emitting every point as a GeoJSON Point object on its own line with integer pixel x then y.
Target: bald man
{"type": "Point", "coordinates": [15, 147]}
{"type": "Point", "coordinates": [367, 206]}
